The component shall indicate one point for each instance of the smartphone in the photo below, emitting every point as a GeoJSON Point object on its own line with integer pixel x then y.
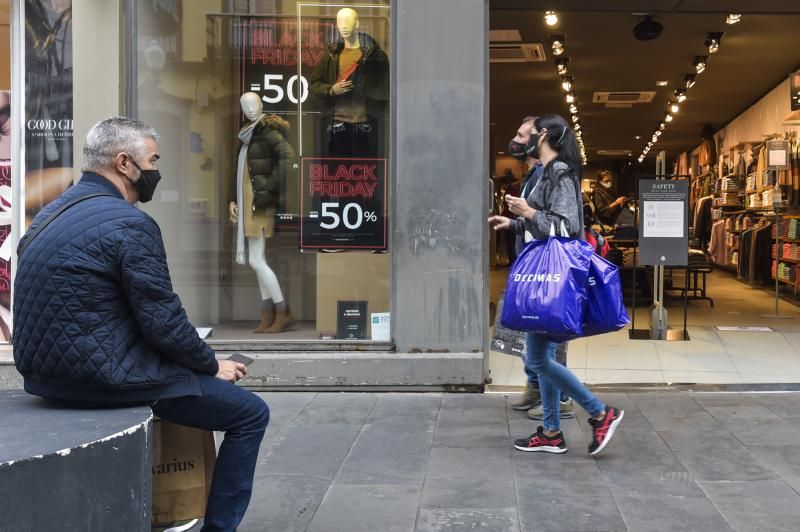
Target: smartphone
{"type": "Point", "coordinates": [240, 358]}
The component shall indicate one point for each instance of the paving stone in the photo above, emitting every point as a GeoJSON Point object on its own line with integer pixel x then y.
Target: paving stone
{"type": "Point", "coordinates": [283, 502]}
{"type": "Point", "coordinates": [284, 408]}
{"type": "Point", "coordinates": [632, 453]}
{"type": "Point", "coordinates": [338, 409]}
{"type": "Point", "coordinates": [656, 512]}
{"type": "Point", "coordinates": [468, 435]}
{"type": "Point", "coordinates": [756, 505]}
{"type": "Point", "coordinates": [315, 450]}
{"type": "Point", "coordinates": [766, 432]}
{"type": "Point", "coordinates": [566, 497]}
{"type": "Point", "coordinates": [706, 399]}
{"type": "Point", "coordinates": [387, 458]}
{"type": "Point", "coordinates": [468, 520]}
{"type": "Point", "coordinates": [784, 461]}
{"type": "Point", "coordinates": [367, 508]}
{"type": "Point", "coordinates": [715, 455]}
{"type": "Point", "coordinates": [786, 405]}
{"type": "Point", "coordinates": [481, 489]}
{"type": "Point", "coordinates": [673, 412]}
{"type": "Point", "coordinates": [405, 413]}
{"type": "Point", "coordinates": [457, 463]}
{"type": "Point", "coordinates": [741, 413]}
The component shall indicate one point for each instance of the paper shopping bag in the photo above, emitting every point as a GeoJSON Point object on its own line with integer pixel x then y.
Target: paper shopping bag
{"type": "Point", "coordinates": [183, 466]}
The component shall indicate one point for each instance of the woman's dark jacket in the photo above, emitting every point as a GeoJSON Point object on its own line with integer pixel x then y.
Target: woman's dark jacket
{"type": "Point", "coordinates": [269, 159]}
{"type": "Point", "coordinates": [556, 198]}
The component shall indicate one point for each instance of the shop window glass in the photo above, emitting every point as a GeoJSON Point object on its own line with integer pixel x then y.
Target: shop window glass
{"type": "Point", "coordinates": [274, 124]}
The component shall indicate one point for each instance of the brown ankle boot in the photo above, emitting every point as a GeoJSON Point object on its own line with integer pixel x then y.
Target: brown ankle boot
{"type": "Point", "coordinates": [283, 318]}
{"type": "Point", "coordinates": [267, 319]}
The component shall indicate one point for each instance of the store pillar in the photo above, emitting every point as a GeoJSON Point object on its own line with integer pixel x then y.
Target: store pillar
{"type": "Point", "coordinates": [441, 166]}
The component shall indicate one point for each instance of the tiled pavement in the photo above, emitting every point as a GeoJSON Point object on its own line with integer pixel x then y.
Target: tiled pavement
{"type": "Point", "coordinates": [444, 462]}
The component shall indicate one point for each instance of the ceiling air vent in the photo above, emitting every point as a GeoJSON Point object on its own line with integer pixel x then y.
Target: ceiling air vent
{"type": "Point", "coordinates": [623, 100]}
{"type": "Point", "coordinates": [516, 53]}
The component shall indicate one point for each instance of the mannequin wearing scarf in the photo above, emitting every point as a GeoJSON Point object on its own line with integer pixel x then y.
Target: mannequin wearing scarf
{"type": "Point", "coordinates": [264, 156]}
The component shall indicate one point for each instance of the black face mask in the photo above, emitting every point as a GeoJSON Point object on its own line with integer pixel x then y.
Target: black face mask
{"type": "Point", "coordinates": [532, 149]}
{"type": "Point", "coordinates": [516, 149]}
{"type": "Point", "coordinates": [146, 185]}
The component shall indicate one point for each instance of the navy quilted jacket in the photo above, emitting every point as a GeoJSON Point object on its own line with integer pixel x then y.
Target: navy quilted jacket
{"type": "Point", "coordinates": [95, 316]}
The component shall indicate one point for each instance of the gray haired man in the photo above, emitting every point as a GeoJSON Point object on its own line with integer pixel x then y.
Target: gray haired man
{"type": "Point", "coordinates": [98, 325]}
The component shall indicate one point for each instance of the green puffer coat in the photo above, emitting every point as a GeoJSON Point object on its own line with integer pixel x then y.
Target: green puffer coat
{"type": "Point", "coordinates": [269, 159]}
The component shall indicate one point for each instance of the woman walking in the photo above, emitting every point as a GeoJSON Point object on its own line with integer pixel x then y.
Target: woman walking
{"type": "Point", "coordinates": [555, 199]}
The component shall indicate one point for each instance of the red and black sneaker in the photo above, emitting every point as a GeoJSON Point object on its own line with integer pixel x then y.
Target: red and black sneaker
{"type": "Point", "coordinates": [539, 442]}
{"type": "Point", "coordinates": [603, 429]}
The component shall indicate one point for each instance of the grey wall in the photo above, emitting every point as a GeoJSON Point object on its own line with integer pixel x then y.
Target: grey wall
{"type": "Point", "coordinates": [440, 175]}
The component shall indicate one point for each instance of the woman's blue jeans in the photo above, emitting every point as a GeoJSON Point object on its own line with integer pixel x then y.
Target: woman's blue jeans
{"type": "Point", "coordinates": [555, 378]}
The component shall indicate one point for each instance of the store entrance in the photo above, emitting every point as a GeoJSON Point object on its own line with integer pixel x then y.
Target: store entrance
{"type": "Point", "coordinates": [709, 90]}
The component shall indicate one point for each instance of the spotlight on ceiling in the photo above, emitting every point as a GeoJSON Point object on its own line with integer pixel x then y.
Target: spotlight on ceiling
{"type": "Point", "coordinates": [647, 30]}
{"type": "Point", "coordinates": [550, 18]}
{"type": "Point", "coordinates": [700, 63]}
{"type": "Point", "coordinates": [575, 119]}
{"type": "Point", "coordinates": [566, 83]}
{"type": "Point", "coordinates": [680, 94]}
{"type": "Point", "coordinates": [674, 107]}
{"type": "Point", "coordinates": [668, 117]}
{"type": "Point", "coordinates": [713, 41]}
{"type": "Point", "coordinates": [689, 80]}
{"type": "Point", "coordinates": [637, 137]}
{"type": "Point", "coordinates": [561, 64]}
{"type": "Point", "coordinates": [570, 97]}
{"type": "Point", "coordinates": [733, 18]}
{"type": "Point", "coordinates": [557, 44]}
{"type": "Point", "coordinates": [576, 127]}
{"type": "Point", "coordinates": [662, 83]}
{"type": "Point", "coordinates": [573, 108]}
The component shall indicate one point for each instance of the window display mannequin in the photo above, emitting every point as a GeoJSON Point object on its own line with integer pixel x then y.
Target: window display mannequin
{"type": "Point", "coordinates": [351, 81]}
{"type": "Point", "coordinates": [264, 158]}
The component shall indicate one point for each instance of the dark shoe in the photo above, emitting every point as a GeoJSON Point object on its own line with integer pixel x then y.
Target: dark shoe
{"type": "Point", "coordinates": [267, 319]}
{"type": "Point", "coordinates": [528, 399]}
{"type": "Point", "coordinates": [567, 410]}
{"type": "Point", "coordinates": [603, 429]}
{"type": "Point", "coordinates": [539, 442]}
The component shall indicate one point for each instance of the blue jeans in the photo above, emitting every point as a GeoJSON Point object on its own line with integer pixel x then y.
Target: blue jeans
{"type": "Point", "coordinates": [243, 416]}
{"type": "Point", "coordinates": [559, 355]}
{"type": "Point", "coordinates": [554, 377]}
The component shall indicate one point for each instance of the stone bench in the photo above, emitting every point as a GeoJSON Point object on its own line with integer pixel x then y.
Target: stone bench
{"type": "Point", "coordinates": [66, 469]}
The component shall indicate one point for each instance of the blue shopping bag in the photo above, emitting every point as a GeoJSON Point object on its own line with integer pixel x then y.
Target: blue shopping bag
{"type": "Point", "coordinates": [546, 288]}
{"type": "Point", "coordinates": [605, 308]}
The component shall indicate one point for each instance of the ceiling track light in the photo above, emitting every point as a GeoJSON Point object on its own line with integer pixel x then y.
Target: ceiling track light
{"type": "Point", "coordinates": [550, 18]}
{"type": "Point", "coordinates": [561, 64]}
{"type": "Point", "coordinates": [658, 133]}
{"type": "Point", "coordinates": [573, 108]}
{"type": "Point", "coordinates": [661, 126]}
{"type": "Point", "coordinates": [575, 119]}
{"type": "Point", "coordinates": [576, 127]}
{"type": "Point", "coordinates": [674, 107]}
{"type": "Point", "coordinates": [557, 44]}
{"type": "Point", "coordinates": [680, 94]}
{"type": "Point", "coordinates": [571, 97]}
{"type": "Point", "coordinates": [713, 41]}
{"type": "Point", "coordinates": [567, 82]}
{"type": "Point", "coordinates": [700, 63]}
{"type": "Point", "coordinates": [668, 117]}
{"type": "Point", "coordinates": [733, 18]}
{"type": "Point", "coordinates": [689, 80]}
